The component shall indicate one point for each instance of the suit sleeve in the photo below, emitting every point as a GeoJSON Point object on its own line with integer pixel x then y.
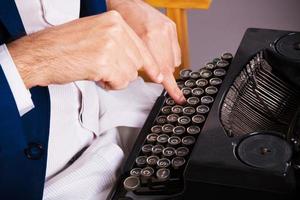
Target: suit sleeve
{"type": "Point", "coordinates": [20, 93]}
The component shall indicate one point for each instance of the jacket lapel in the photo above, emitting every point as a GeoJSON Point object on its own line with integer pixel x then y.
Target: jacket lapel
{"type": "Point", "coordinates": [92, 7]}
{"type": "Point", "coordinates": [10, 19]}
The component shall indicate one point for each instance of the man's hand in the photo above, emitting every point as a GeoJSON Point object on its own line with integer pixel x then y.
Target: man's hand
{"type": "Point", "coordinates": [101, 48]}
{"type": "Point", "coordinates": [159, 34]}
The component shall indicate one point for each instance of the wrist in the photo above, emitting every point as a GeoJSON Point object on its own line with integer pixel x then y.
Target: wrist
{"type": "Point", "coordinates": [26, 63]}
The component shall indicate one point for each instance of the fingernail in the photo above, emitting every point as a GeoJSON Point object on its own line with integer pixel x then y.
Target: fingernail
{"type": "Point", "coordinates": [160, 78]}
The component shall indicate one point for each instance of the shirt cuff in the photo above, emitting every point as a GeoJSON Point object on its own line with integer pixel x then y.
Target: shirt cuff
{"type": "Point", "coordinates": [21, 94]}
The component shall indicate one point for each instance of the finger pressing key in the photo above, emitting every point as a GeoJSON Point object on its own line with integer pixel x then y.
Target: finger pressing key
{"type": "Point", "coordinates": [171, 87]}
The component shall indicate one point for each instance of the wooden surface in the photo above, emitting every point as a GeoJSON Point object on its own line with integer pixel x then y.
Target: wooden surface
{"type": "Point", "coordinates": [177, 11]}
{"type": "Point", "coordinates": [184, 4]}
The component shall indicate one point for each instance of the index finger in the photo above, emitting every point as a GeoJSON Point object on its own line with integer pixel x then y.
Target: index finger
{"type": "Point", "coordinates": [150, 66]}
{"type": "Point", "coordinates": [172, 88]}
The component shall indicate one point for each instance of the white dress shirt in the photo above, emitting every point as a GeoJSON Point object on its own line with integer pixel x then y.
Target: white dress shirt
{"type": "Point", "coordinates": [82, 115]}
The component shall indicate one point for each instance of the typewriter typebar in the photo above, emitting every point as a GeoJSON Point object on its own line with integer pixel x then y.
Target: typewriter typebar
{"type": "Point", "coordinates": [238, 135]}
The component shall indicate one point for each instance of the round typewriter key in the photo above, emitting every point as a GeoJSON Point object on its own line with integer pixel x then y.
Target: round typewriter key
{"type": "Point", "coordinates": [147, 149]}
{"type": "Point", "coordinates": [198, 119]}
{"type": "Point", "coordinates": [167, 128]}
{"type": "Point", "coordinates": [210, 65]}
{"type": "Point", "coordinates": [163, 174]}
{"type": "Point", "coordinates": [184, 120]}
{"type": "Point", "coordinates": [170, 101]}
{"type": "Point", "coordinates": [227, 56]}
{"type": "Point", "coordinates": [195, 75]}
{"type": "Point", "coordinates": [211, 90]}
{"type": "Point", "coordinates": [157, 149]}
{"type": "Point", "coordinates": [161, 119]}
{"type": "Point", "coordinates": [222, 64]}
{"type": "Point", "coordinates": [180, 84]}
{"type": "Point", "coordinates": [166, 110]}
{"type": "Point", "coordinates": [188, 110]}
{"type": "Point", "coordinates": [156, 129]}
{"type": "Point", "coordinates": [152, 160]}
{"type": "Point", "coordinates": [182, 151]}
{"type": "Point", "coordinates": [179, 130]}
{"type": "Point", "coordinates": [202, 109]}
{"type": "Point", "coordinates": [205, 73]}
{"type": "Point", "coordinates": [172, 118]}
{"type": "Point", "coordinates": [177, 162]}
{"type": "Point", "coordinates": [215, 60]}
{"type": "Point", "coordinates": [141, 161]}
{"type": "Point", "coordinates": [185, 74]}
{"type": "Point", "coordinates": [168, 152]}
{"type": "Point", "coordinates": [186, 91]}
{"type": "Point", "coordinates": [135, 171]}
{"type": "Point", "coordinates": [177, 109]}
{"type": "Point", "coordinates": [147, 172]}
{"type": "Point", "coordinates": [188, 140]}
{"type": "Point", "coordinates": [219, 72]}
{"type": "Point", "coordinates": [207, 99]}
{"type": "Point", "coordinates": [151, 138]}
{"type": "Point", "coordinates": [162, 139]}
{"type": "Point", "coordinates": [193, 130]}
{"type": "Point", "coordinates": [131, 183]}
{"type": "Point", "coordinates": [197, 91]}
{"type": "Point", "coordinates": [174, 140]}
{"type": "Point", "coordinates": [163, 163]}
{"type": "Point", "coordinates": [190, 83]}
{"type": "Point", "coordinates": [215, 81]}
{"type": "Point", "coordinates": [201, 82]}
{"type": "Point", "coordinates": [193, 101]}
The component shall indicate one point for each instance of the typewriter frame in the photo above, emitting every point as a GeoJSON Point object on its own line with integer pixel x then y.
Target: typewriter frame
{"type": "Point", "coordinates": [199, 169]}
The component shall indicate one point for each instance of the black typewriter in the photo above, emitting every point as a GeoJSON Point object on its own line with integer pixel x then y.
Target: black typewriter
{"type": "Point", "coordinates": [238, 135]}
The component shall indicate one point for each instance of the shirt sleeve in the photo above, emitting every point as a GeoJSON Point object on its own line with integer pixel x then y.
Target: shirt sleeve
{"type": "Point", "coordinates": [21, 94]}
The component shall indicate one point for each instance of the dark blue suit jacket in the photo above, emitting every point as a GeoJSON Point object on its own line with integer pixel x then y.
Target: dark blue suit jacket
{"type": "Point", "coordinates": [24, 140]}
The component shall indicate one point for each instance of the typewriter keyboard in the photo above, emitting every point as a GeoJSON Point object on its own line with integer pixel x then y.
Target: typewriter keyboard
{"type": "Point", "coordinates": [159, 166]}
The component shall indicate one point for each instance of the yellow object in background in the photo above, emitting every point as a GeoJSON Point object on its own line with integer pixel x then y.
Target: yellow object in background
{"type": "Point", "coordinates": [177, 11]}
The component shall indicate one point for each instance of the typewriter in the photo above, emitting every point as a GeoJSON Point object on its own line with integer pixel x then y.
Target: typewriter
{"type": "Point", "coordinates": [238, 135]}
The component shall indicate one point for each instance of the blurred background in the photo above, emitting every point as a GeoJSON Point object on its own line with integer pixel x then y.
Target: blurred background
{"type": "Point", "coordinates": [221, 27]}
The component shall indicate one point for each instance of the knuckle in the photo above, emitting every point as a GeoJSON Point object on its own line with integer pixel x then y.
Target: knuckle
{"type": "Point", "coordinates": [114, 14]}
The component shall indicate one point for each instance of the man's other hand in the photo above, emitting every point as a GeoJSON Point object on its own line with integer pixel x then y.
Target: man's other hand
{"type": "Point", "coordinates": [158, 33]}
{"type": "Point", "coordinates": [102, 48]}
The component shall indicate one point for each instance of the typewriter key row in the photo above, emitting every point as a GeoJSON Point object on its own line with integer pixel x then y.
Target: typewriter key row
{"type": "Point", "coordinates": [176, 128]}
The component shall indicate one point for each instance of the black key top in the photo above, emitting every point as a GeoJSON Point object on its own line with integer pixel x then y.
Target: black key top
{"type": "Point", "coordinates": [193, 130]}
{"type": "Point", "coordinates": [156, 129]}
{"type": "Point", "coordinates": [188, 110]}
{"type": "Point", "coordinates": [201, 82]}
{"type": "Point", "coordinates": [172, 118]}
{"type": "Point", "coordinates": [185, 74]}
{"type": "Point", "coordinates": [157, 149]}
{"type": "Point", "coordinates": [182, 151]}
{"type": "Point", "coordinates": [152, 160]}
{"type": "Point", "coordinates": [162, 139]}
{"type": "Point", "coordinates": [188, 140]}
{"type": "Point", "coordinates": [207, 99]}
{"type": "Point", "coordinates": [174, 140]}
{"type": "Point", "coordinates": [215, 81]}
{"type": "Point", "coordinates": [190, 83]}
{"type": "Point", "coordinates": [151, 138]}
{"type": "Point", "coordinates": [166, 110]}
{"type": "Point", "coordinates": [179, 130]}
{"type": "Point", "coordinates": [178, 162]}
{"type": "Point", "coordinates": [141, 161]}
{"type": "Point", "coordinates": [177, 109]}
{"type": "Point", "coordinates": [168, 152]}
{"type": "Point", "coordinates": [135, 171]}
{"type": "Point", "coordinates": [163, 174]}
{"type": "Point", "coordinates": [147, 149]}
{"type": "Point", "coordinates": [194, 75]}
{"type": "Point", "coordinates": [222, 64]}
{"type": "Point", "coordinates": [205, 73]}
{"type": "Point", "coordinates": [197, 92]}
{"type": "Point", "coordinates": [186, 91]}
{"type": "Point", "coordinates": [131, 183]}
{"type": "Point", "coordinates": [219, 72]}
{"type": "Point", "coordinates": [202, 109]}
{"type": "Point", "coordinates": [211, 90]}
{"type": "Point", "coordinates": [198, 119]}
{"type": "Point", "coordinates": [184, 120]}
{"type": "Point", "coordinates": [147, 172]}
{"type": "Point", "coordinates": [170, 101]}
{"type": "Point", "coordinates": [163, 163]}
{"type": "Point", "coordinates": [167, 128]}
{"type": "Point", "coordinates": [193, 101]}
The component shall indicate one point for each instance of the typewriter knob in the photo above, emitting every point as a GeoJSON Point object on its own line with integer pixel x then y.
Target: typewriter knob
{"type": "Point", "coordinates": [264, 150]}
